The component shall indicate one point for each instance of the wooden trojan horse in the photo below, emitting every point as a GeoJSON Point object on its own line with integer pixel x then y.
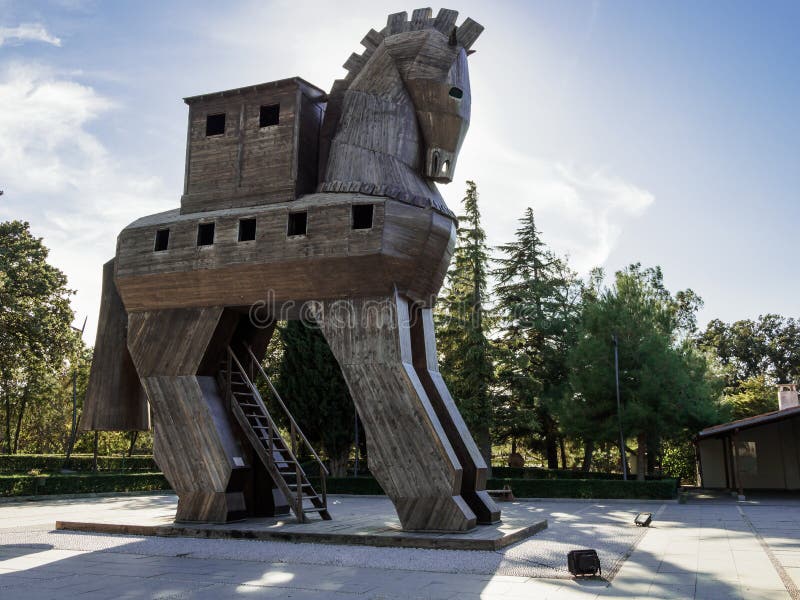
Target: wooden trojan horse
{"type": "Point", "coordinates": [299, 204]}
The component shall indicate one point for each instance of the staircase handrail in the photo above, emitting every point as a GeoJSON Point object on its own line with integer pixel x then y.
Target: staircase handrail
{"type": "Point", "coordinates": [293, 423]}
{"type": "Point", "coordinates": [256, 396]}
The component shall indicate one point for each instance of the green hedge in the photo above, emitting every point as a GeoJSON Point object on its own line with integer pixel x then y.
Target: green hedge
{"type": "Point", "coordinates": [348, 485]}
{"type": "Point", "coordinates": [53, 463]}
{"type": "Point", "coordinates": [533, 488]}
{"type": "Point", "coordinates": [28, 485]}
{"type": "Point", "coordinates": [31, 485]}
{"type": "Point", "coordinates": [540, 473]}
{"type": "Point", "coordinates": [587, 488]}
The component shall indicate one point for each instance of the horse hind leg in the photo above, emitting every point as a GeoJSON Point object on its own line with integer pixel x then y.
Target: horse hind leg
{"type": "Point", "coordinates": [410, 454]}
{"type": "Point", "coordinates": [194, 441]}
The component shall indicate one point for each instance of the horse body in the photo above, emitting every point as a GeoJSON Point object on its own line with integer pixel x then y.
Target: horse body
{"type": "Point", "coordinates": [391, 130]}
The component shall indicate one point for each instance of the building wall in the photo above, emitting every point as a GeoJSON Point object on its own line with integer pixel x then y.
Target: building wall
{"type": "Point", "coordinates": [790, 441]}
{"type": "Point", "coordinates": [768, 457]}
{"type": "Point", "coordinates": [712, 461]}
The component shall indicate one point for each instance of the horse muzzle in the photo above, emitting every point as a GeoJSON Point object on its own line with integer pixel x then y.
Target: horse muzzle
{"type": "Point", "coordinates": [440, 165]}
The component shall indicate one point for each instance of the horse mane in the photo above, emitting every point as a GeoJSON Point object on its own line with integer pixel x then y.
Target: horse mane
{"type": "Point", "coordinates": [421, 18]}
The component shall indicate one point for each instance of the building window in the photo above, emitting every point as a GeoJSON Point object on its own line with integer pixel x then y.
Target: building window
{"type": "Point", "coordinates": [162, 240]}
{"type": "Point", "coordinates": [205, 234]}
{"type": "Point", "coordinates": [215, 124]}
{"type": "Point", "coordinates": [269, 115]}
{"type": "Point", "coordinates": [362, 216]}
{"type": "Point", "coordinates": [297, 223]}
{"type": "Point", "coordinates": [247, 230]}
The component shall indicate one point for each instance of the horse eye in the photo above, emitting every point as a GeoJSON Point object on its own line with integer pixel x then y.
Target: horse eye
{"type": "Point", "coordinates": [456, 93]}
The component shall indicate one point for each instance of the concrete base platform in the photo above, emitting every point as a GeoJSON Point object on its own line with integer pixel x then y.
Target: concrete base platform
{"type": "Point", "coordinates": [356, 521]}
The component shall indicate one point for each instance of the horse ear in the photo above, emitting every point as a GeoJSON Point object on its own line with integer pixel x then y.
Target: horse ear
{"type": "Point", "coordinates": [453, 41]}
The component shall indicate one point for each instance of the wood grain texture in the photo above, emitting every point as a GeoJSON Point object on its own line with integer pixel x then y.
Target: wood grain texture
{"type": "Point", "coordinates": [474, 471]}
{"type": "Point", "coordinates": [198, 445]}
{"type": "Point", "coordinates": [250, 165]}
{"type": "Point", "coordinates": [194, 446]}
{"type": "Point", "coordinates": [407, 248]}
{"type": "Point", "coordinates": [115, 399]}
{"type": "Point", "coordinates": [409, 452]}
{"type": "Point", "coordinates": [387, 133]}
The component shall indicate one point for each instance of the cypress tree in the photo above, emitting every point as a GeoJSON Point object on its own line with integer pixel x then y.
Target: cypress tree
{"type": "Point", "coordinates": [313, 387]}
{"type": "Point", "coordinates": [466, 355]}
{"type": "Point", "coordinates": [538, 306]}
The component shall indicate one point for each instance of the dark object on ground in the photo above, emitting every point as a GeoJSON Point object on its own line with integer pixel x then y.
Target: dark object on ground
{"type": "Point", "coordinates": [643, 519]}
{"type": "Point", "coordinates": [584, 563]}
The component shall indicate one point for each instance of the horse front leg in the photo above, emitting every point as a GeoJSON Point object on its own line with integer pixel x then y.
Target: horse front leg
{"type": "Point", "coordinates": [410, 454]}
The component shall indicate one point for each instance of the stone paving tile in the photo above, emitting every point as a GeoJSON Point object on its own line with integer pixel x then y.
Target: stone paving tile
{"type": "Point", "coordinates": [692, 551]}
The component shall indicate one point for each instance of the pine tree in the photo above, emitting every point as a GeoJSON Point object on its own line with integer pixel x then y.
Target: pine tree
{"type": "Point", "coordinates": [313, 387]}
{"type": "Point", "coordinates": [538, 303]}
{"type": "Point", "coordinates": [666, 389]}
{"type": "Point", "coordinates": [466, 354]}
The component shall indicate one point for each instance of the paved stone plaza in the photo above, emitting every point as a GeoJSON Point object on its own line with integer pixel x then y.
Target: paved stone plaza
{"type": "Point", "coordinates": [709, 548]}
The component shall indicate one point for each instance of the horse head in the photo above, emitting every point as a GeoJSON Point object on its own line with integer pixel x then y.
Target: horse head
{"type": "Point", "coordinates": [396, 123]}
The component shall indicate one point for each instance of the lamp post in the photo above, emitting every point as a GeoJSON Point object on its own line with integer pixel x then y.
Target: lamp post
{"type": "Point", "coordinates": [619, 410]}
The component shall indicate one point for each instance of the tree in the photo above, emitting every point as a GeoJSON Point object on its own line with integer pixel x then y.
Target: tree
{"type": "Point", "coordinates": [753, 396]}
{"type": "Point", "coordinates": [753, 356]}
{"type": "Point", "coordinates": [539, 307]}
{"type": "Point", "coordinates": [768, 346]}
{"type": "Point", "coordinates": [35, 316]}
{"type": "Point", "coordinates": [666, 388]}
{"type": "Point", "coordinates": [462, 331]}
{"type": "Point", "coordinates": [312, 385]}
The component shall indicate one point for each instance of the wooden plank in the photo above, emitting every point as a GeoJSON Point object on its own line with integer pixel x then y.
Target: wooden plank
{"type": "Point", "coordinates": [419, 18]}
{"type": "Point", "coordinates": [468, 32]}
{"type": "Point", "coordinates": [445, 20]}
{"type": "Point", "coordinates": [115, 399]}
{"type": "Point", "coordinates": [397, 23]}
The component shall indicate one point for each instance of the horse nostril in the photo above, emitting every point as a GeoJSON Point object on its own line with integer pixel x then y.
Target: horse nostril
{"type": "Point", "coordinates": [456, 93]}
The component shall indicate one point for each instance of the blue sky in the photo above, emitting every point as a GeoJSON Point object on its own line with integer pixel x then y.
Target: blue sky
{"type": "Point", "coordinates": [666, 133]}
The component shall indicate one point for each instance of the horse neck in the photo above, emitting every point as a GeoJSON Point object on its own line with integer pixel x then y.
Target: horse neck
{"type": "Point", "coordinates": [377, 141]}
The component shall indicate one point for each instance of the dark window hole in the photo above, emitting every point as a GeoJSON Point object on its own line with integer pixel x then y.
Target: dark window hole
{"type": "Point", "coordinates": [269, 115]}
{"type": "Point", "coordinates": [362, 216]}
{"type": "Point", "coordinates": [162, 240]}
{"type": "Point", "coordinates": [297, 223]}
{"type": "Point", "coordinates": [205, 234]}
{"type": "Point", "coordinates": [247, 230]}
{"type": "Point", "coordinates": [215, 124]}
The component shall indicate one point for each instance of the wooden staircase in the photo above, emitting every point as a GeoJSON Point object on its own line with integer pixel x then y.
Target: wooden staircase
{"type": "Point", "coordinates": [278, 456]}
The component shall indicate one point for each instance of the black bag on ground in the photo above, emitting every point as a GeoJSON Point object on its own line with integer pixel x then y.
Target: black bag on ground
{"type": "Point", "coordinates": [583, 562]}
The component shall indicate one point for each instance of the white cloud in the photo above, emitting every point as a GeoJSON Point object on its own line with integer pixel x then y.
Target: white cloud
{"type": "Point", "coordinates": [581, 211]}
{"type": "Point", "coordinates": [59, 176]}
{"type": "Point", "coordinates": [27, 32]}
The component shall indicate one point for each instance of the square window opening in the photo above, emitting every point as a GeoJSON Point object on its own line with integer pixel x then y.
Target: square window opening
{"type": "Point", "coordinates": [205, 234]}
{"type": "Point", "coordinates": [297, 223]}
{"type": "Point", "coordinates": [362, 216]}
{"type": "Point", "coordinates": [269, 115]}
{"type": "Point", "coordinates": [215, 124]}
{"type": "Point", "coordinates": [247, 230]}
{"type": "Point", "coordinates": [162, 240]}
